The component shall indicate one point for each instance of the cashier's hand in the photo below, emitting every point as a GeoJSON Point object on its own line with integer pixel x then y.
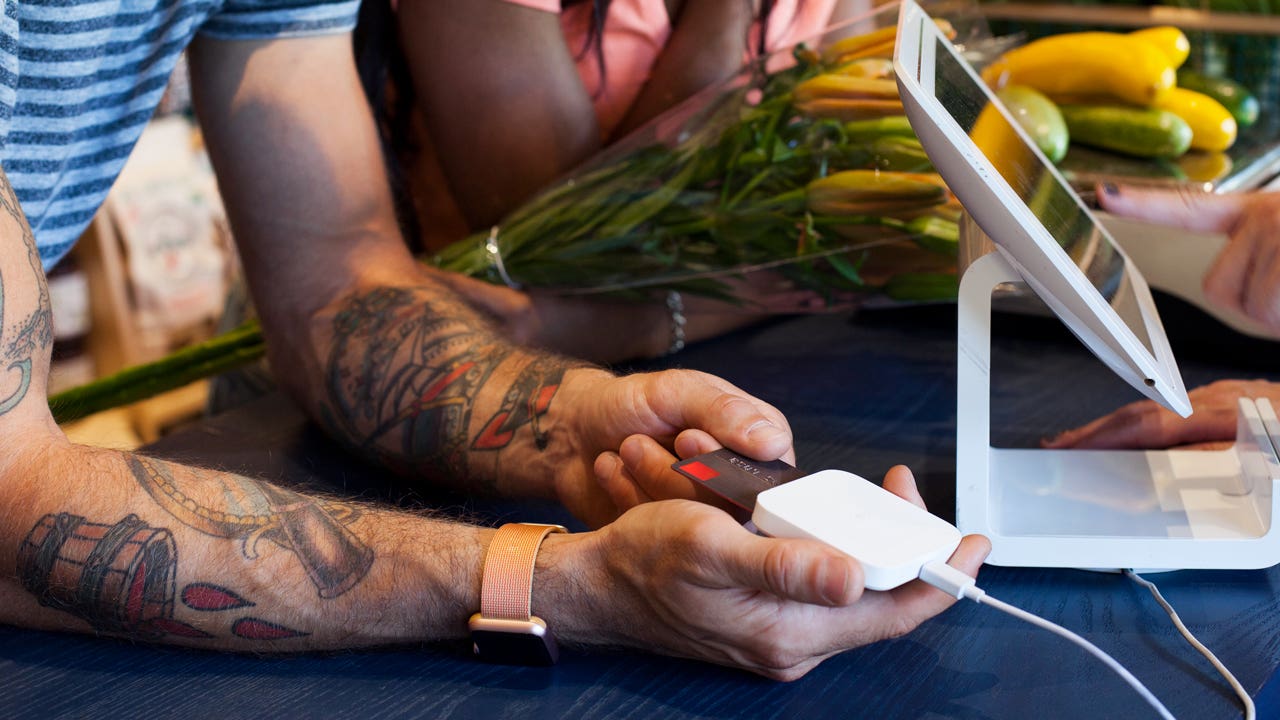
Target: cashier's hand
{"type": "Point", "coordinates": [1246, 275]}
{"type": "Point", "coordinates": [681, 410]}
{"type": "Point", "coordinates": [1144, 424]}
{"type": "Point", "coordinates": [683, 578]}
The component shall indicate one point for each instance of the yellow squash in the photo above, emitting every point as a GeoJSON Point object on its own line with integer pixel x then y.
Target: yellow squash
{"type": "Point", "coordinates": [1212, 126]}
{"type": "Point", "coordinates": [844, 47]}
{"type": "Point", "coordinates": [830, 86]}
{"type": "Point", "coordinates": [871, 67]}
{"type": "Point", "coordinates": [845, 97]}
{"type": "Point", "coordinates": [1087, 63]}
{"type": "Point", "coordinates": [1171, 41]}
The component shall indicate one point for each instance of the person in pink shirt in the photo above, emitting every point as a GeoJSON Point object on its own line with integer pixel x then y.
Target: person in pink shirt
{"type": "Point", "coordinates": [492, 100]}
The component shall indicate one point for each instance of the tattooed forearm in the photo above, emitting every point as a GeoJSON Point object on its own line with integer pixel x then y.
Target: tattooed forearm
{"type": "Point", "coordinates": [120, 579]}
{"type": "Point", "coordinates": [400, 381]}
{"type": "Point", "coordinates": [404, 375]}
{"type": "Point", "coordinates": [237, 508]}
{"type": "Point", "coordinates": [21, 340]}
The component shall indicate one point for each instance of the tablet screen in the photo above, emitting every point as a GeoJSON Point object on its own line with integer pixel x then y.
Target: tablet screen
{"type": "Point", "coordinates": [1058, 208]}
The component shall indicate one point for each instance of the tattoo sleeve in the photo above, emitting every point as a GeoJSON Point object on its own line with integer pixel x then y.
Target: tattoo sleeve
{"type": "Point", "coordinates": [403, 380]}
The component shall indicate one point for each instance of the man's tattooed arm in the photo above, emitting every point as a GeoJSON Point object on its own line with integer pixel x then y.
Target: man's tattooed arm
{"type": "Point", "coordinates": [161, 552]}
{"type": "Point", "coordinates": [417, 381]}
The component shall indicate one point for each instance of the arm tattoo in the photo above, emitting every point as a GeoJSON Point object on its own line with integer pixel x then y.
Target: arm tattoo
{"type": "Point", "coordinates": [403, 376]}
{"type": "Point", "coordinates": [526, 401]}
{"type": "Point", "coordinates": [120, 579]}
{"type": "Point", "coordinates": [236, 508]}
{"type": "Point", "coordinates": [34, 333]}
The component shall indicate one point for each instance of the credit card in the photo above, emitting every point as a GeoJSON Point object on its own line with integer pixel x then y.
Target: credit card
{"type": "Point", "coordinates": [736, 478]}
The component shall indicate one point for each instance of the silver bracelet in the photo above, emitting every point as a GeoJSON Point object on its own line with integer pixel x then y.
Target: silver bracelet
{"type": "Point", "coordinates": [675, 305]}
{"type": "Point", "coordinates": [495, 256]}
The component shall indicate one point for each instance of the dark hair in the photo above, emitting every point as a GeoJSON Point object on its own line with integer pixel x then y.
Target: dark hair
{"type": "Point", "coordinates": [384, 72]}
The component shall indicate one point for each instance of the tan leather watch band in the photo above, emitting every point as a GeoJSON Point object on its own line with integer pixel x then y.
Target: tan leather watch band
{"type": "Point", "coordinates": [506, 590]}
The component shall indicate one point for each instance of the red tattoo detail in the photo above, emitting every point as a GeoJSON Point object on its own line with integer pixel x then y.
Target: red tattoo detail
{"type": "Point", "coordinates": [133, 605]}
{"type": "Point", "coordinates": [255, 629]}
{"type": "Point", "coordinates": [494, 436]}
{"type": "Point", "coordinates": [445, 382]}
{"type": "Point", "coordinates": [203, 596]}
{"type": "Point", "coordinates": [543, 399]}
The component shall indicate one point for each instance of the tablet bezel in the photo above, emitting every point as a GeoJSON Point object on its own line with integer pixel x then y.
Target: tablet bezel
{"type": "Point", "coordinates": [1018, 234]}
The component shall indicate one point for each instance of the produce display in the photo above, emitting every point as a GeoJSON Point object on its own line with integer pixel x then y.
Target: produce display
{"type": "Point", "coordinates": [1125, 93]}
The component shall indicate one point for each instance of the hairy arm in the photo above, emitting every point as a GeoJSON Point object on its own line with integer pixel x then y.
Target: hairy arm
{"type": "Point", "coordinates": [385, 352]}
{"type": "Point", "coordinates": [378, 348]}
{"type": "Point", "coordinates": [122, 544]}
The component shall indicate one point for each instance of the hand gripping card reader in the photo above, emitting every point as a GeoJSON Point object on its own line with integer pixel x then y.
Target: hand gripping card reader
{"type": "Point", "coordinates": [891, 538]}
{"type": "Point", "coordinates": [1072, 508]}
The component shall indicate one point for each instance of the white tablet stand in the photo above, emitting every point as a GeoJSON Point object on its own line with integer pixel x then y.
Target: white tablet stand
{"type": "Point", "coordinates": [1105, 509]}
{"type": "Point", "coordinates": [1102, 509]}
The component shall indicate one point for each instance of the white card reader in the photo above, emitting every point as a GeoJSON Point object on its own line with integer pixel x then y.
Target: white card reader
{"type": "Point", "coordinates": [891, 538]}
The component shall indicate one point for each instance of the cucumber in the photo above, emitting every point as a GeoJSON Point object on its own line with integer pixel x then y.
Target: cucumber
{"type": "Point", "coordinates": [1141, 132]}
{"type": "Point", "coordinates": [1235, 97]}
{"type": "Point", "coordinates": [1039, 116]}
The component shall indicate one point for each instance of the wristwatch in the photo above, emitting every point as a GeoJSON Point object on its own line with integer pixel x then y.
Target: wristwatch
{"type": "Point", "coordinates": [505, 630]}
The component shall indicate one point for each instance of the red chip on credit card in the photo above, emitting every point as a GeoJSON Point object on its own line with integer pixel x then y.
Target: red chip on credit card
{"type": "Point", "coordinates": [734, 477]}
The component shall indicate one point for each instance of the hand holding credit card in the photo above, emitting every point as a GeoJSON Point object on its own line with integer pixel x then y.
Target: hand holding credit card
{"type": "Point", "coordinates": [736, 478]}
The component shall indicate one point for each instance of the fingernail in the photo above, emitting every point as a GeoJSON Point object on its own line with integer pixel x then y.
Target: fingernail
{"type": "Point", "coordinates": [833, 581]}
{"type": "Point", "coordinates": [607, 464]}
{"type": "Point", "coordinates": [1110, 189]}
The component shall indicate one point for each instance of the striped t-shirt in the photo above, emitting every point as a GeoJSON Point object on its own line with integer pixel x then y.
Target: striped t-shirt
{"type": "Point", "coordinates": [79, 79]}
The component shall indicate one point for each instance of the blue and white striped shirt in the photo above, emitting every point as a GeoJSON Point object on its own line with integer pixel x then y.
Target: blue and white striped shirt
{"type": "Point", "coordinates": [79, 79]}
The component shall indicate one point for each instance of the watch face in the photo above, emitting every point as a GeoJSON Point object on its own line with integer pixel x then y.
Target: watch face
{"type": "Point", "coordinates": [513, 642]}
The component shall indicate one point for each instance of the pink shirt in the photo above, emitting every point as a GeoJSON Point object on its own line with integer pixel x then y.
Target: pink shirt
{"type": "Point", "coordinates": [635, 33]}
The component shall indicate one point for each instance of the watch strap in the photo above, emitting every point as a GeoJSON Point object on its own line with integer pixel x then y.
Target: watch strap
{"type": "Point", "coordinates": [506, 589]}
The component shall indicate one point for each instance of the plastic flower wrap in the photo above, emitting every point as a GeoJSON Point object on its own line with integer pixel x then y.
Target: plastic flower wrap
{"type": "Point", "coordinates": [810, 171]}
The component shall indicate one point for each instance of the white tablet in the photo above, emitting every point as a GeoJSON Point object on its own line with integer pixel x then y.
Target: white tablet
{"type": "Point", "coordinates": [1037, 222]}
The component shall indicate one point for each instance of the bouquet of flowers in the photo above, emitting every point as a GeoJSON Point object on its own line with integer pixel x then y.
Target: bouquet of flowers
{"type": "Point", "coordinates": [804, 170]}
{"type": "Point", "coordinates": [811, 171]}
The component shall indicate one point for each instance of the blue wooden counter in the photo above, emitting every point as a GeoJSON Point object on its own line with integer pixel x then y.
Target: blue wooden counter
{"type": "Point", "coordinates": [861, 394]}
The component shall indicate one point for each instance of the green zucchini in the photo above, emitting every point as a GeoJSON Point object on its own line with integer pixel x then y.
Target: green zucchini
{"type": "Point", "coordinates": [1141, 132]}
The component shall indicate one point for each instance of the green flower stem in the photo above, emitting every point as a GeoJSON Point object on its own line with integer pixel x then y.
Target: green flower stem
{"type": "Point", "coordinates": [216, 355]}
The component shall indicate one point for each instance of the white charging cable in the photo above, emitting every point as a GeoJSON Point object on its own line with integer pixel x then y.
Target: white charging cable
{"type": "Point", "coordinates": [1250, 712]}
{"type": "Point", "coordinates": [958, 585]}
